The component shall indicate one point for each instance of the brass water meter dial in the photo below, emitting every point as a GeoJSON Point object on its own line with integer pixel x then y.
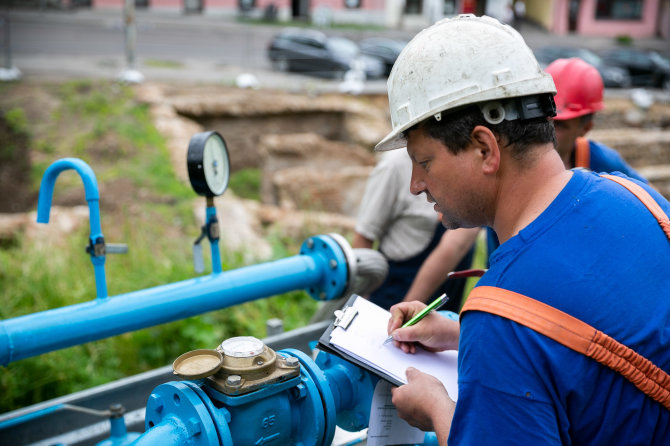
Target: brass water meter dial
{"type": "Point", "coordinates": [238, 366]}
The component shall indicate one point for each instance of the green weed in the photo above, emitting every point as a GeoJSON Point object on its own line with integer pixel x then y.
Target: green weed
{"type": "Point", "coordinates": [17, 121]}
{"type": "Point", "coordinates": [246, 183]}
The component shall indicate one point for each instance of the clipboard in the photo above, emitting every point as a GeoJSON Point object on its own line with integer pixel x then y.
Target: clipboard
{"type": "Point", "coordinates": [358, 337]}
{"type": "Point", "coordinates": [344, 318]}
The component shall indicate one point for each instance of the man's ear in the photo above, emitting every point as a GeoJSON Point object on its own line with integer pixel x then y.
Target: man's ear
{"type": "Point", "coordinates": [586, 128]}
{"type": "Point", "coordinates": [488, 148]}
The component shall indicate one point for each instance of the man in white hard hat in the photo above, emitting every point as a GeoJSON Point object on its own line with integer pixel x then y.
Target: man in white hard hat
{"type": "Point", "coordinates": [550, 350]}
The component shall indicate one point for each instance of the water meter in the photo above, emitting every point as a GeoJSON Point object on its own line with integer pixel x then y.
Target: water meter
{"type": "Point", "coordinates": [238, 366]}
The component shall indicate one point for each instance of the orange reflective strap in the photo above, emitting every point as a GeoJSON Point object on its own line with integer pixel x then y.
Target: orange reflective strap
{"type": "Point", "coordinates": [646, 199]}
{"type": "Point", "coordinates": [574, 334]}
{"type": "Point", "coordinates": [582, 153]}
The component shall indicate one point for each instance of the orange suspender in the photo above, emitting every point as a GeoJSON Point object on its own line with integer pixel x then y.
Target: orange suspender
{"type": "Point", "coordinates": [646, 199]}
{"type": "Point", "coordinates": [582, 153]}
{"type": "Point", "coordinates": [575, 334]}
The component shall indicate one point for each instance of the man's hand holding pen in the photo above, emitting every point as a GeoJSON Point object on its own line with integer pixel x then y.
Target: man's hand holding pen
{"type": "Point", "coordinates": [433, 333]}
{"type": "Point", "coordinates": [423, 402]}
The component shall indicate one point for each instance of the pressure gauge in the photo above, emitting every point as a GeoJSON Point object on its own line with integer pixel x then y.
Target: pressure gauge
{"type": "Point", "coordinates": [242, 347]}
{"type": "Point", "coordinates": [208, 164]}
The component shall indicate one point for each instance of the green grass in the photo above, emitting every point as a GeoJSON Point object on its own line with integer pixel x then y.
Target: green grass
{"type": "Point", "coordinates": [246, 183]}
{"type": "Point", "coordinates": [102, 124]}
{"type": "Point", "coordinates": [17, 121]}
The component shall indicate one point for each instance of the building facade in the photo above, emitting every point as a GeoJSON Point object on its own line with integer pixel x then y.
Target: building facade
{"type": "Point", "coordinates": [607, 18]}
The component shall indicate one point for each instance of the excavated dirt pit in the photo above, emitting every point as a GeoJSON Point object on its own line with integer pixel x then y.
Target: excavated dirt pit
{"type": "Point", "coordinates": [330, 137]}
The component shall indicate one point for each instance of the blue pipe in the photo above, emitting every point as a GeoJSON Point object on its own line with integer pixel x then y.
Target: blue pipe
{"type": "Point", "coordinates": [322, 270]}
{"type": "Point", "coordinates": [210, 215]}
{"type": "Point", "coordinates": [30, 416]}
{"type": "Point", "coordinates": [92, 197]}
{"type": "Point", "coordinates": [170, 432]}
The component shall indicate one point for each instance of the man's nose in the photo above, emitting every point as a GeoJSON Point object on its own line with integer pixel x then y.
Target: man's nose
{"type": "Point", "coordinates": [416, 185]}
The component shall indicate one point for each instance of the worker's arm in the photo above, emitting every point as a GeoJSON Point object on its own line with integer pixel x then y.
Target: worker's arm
{"type": "Point", "coordinates": [453, 246]}
{"type": "Point", "coordinates": [424, 403]}
{"type": "Point", "coordinates": [361, 241]}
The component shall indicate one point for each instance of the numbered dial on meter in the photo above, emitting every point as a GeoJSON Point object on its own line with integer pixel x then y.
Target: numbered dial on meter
{"type": "Point", "coordinates": [208, 163]}
{"type": "Point", "coordinates": [242, 347]}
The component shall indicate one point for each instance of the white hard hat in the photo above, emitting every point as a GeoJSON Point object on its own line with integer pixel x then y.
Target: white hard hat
{"type": "Point", "coordinates": [460, 61]}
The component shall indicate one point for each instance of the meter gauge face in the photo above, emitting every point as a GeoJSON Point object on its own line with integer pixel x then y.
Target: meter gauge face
{"type": "Point", "coordinates": [208, 163]}
{"type": "Point", "coordinates": [242, 347]}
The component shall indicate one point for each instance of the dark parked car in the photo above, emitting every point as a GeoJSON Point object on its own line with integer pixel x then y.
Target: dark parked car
{"type": "Point", "coordinates": [613, 76]}
{"type": "Point", "coordinates": [315, 53]}
{"type": "Point", "coordinates": [383, 48]}
{"type": "Point", "coordinates": [646, 68]}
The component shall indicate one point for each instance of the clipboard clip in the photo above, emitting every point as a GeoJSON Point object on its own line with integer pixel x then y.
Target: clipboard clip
{"type": "Point", "coordinates": [344, 316]}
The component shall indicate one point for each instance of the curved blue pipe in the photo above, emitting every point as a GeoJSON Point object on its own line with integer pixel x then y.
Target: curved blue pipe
{"type": "Point", "coordinates": [92, 197]}
{"type": "Point", "coordinates": [170, 432]}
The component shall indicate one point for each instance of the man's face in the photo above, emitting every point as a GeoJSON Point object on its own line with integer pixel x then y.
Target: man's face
{"type": "Point", "coordinates": [567, 131]}
{"type": "Point", "coordinates": [448, 180]}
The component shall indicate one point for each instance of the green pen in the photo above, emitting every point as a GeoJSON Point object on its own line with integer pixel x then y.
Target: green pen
{"type": "Point", "coordinates": [434, 305]}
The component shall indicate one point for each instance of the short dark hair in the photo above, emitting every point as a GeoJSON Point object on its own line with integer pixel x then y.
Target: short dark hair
{"type": "Point", "coordinates": [455, 128]}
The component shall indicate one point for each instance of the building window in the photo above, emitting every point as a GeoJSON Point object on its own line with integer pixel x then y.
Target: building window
{"type": "Point", "coordinates": [619, 9]}
{"type": "Point", "coordinates": [413, 6]}
{"type": "Point", "coordinates": [352, 4]}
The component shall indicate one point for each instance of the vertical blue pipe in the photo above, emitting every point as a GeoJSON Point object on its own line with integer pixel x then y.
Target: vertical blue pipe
{"type": "Point", "coordinates": [213, 242]}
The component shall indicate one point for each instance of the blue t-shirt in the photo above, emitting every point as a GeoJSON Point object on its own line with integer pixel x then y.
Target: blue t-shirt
{"type": "Point", "coordinates": [601, 159]}
{"type": "Point", "coordinates": [606, 159]}
{"type": "Point", "coordinates": [598, 254]}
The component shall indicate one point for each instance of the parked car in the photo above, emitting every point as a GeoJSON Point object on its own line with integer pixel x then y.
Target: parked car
{"type": "Point", "coordinates": [613, 76]}
{"type": "Point", "coordinates": [313, 52]}
{"type": "Point", "coordinates": [646, 68]}
{"type": "Point", "coordinates": [383, 48]}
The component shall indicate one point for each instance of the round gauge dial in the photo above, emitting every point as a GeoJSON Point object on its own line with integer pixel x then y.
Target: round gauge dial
{"type": "Point", "coordinates": [208, 163]}
{"type": "Point", "coordinates": [242, 347]}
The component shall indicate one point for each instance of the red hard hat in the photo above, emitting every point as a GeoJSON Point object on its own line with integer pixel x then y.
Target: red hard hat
{"type": "Point", "coordinates": [579, 88]}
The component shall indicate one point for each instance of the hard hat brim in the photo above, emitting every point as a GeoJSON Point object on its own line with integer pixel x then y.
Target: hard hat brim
{"type": "Point", "coordinates": [394, 140]}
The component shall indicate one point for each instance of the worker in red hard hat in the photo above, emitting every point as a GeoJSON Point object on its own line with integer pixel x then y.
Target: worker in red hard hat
{"type": "Point", "coordinates": [579, 96]}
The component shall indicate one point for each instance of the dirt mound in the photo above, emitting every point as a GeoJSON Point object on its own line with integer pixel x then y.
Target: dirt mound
{"type": "Point", "coordinates": [16, 194]}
